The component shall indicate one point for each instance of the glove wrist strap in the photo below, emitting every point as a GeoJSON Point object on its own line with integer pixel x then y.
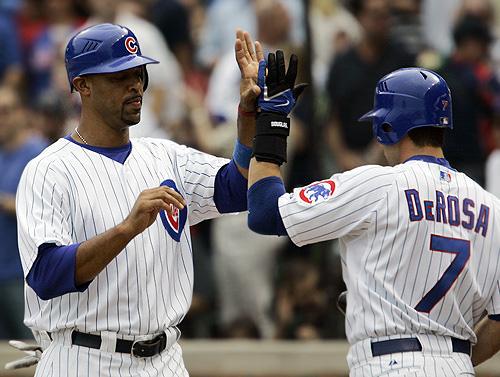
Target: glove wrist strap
{"type": "Point", "coordinates": [270, 140]}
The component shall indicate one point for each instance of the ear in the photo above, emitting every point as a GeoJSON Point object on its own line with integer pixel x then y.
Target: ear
{"type": "Point", "coordinates": [82, 85]}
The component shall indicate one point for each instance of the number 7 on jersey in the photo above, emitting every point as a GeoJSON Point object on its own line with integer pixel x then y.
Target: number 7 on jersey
{"type": "Point", "coordinates": [461, 249]}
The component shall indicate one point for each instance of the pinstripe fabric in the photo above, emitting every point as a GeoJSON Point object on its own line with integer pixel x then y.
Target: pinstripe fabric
{"type": "Point", "coordinates": [69, 194]}
{"type": "Point", "coordinates": [415, 364]}
{"type": "Point", "coordinates": [60, 359]}
{"type": "Point", "coordinates": [387, 263]}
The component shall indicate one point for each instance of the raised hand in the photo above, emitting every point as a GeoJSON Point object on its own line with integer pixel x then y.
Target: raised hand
{"type": "Point", "coordinates": [248, 56]}
{"type": "Point", "coordinates": [278, 90]}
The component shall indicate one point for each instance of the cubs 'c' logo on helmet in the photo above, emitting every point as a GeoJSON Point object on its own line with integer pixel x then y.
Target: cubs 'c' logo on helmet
{"type": "Point", "coordinates": [317, 192]}
{"type": "Point", "coordinates": [174, 224]}
{"type": "Point", "coordinates": [131, 45]}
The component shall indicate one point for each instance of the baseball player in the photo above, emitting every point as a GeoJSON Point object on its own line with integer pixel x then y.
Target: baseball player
{"type": "Point", "coordinates": [419, 240]}
{"type": "Point", "coordinates": [104, 220]}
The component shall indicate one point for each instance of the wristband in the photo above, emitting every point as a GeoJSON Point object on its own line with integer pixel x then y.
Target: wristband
{"type": "Point", "coordinates": [270, 140]}
{"type": "Point", "coordinates": [242, 154]}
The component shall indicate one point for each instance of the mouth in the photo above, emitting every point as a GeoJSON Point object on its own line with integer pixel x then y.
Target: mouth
{"type": "Point", "coordinates": [135, 101]}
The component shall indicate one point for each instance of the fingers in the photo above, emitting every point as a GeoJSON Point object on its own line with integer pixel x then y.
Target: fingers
{"type": "Point", "coordinates": [158, 205]}
{"type": "Point", "coordinates": [249, 46]}
{"type": "Point", "coordinates": [291, 74]}
{"type": "Point", "coordinates": [256, 90]}
{"type": "Point", "coordinates": [271, 68]}
{"type": "Point", "coordinates": [22, 346]}
{"type": "Point", "coordinates": [168, 198]}
{"type": "Point", "coordinates": [259, 51]}
{"type": "Point", "coordinates": [166, 194]}
{"type": "Point", "coordinates": [239, 34]}
{"type": "Point", "coordinates": [244, 44]}
{"type": "Point", "coordinates": [25, 362]}
{"type": "Point", "coordinates": [280, 69]}
{"type": "Point", "coordinates": [239, 52]}
{"type": "Point", "coordinates": [172, 197]}
{"type": "Point", "coordinates": [297, 90]}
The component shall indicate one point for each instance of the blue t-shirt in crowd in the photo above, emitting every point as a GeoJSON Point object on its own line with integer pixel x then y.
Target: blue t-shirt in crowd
{"type": "Point", "coordinates": [10, 53]}
{"type": "Point", "coordinates": [12, 164]}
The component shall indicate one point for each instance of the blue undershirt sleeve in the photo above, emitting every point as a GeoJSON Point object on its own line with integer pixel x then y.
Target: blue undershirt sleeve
{"type": "Point", "coordinates": [494, 317]}
{"type": "Point", "coordinates": [53, 272]}
{"type": "Point", "coordinates": [263, 213]}
{"type": "Point", "coordinates": [230, 189]}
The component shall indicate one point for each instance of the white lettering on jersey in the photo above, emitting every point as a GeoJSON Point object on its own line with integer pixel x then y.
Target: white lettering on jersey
{"type": "Point", "coordinates": [419, 246]}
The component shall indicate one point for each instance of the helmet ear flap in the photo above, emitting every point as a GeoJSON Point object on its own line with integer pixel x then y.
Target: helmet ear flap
{"type": "Point", "coordinates": [386, 127]}
{"type": "Point", "coordinates": [385, 133]}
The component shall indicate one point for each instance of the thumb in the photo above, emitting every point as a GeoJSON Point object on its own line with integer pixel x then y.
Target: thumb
{"type": "Point", "coordinates": [298, 89]}
{"type": "Point", "coordinates": [256, 90]}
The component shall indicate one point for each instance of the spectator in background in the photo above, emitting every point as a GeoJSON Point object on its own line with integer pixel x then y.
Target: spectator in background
{"type": "Point", "coordinates": [30, 23]}
{"type": "Point", "coordinates": [301, 302]}
{"type": "Point", "coordinates": [476, 93]}
{"type": "Point", "coordinates": [438, 18]}
{"type": "Point", "coordinates": [10, 53]}
{"type": "Point", "coordinates": [223, 17]}
{"type": "Point", "coordinates": [50, 116]}
{"type": "Point", "coordinates": [407, 28]}
{"type": "Point", "coordinates": [18, 145]}
{"type": "Point", "coordinates": [481, 9]}
{"type": "Point", "coordinates": [274, 26]}
{"type": "Point", "coordinates": [62, 20]}
{"type": "Point", "coordinates": [493, 164]}
{"type": "Point", "coordinates": [164, 111]}
{"type": "Point", "coordinates": [333, 31]}
{"type": "Point", "coordinates": [352, 77]}
{"type": "Point", "coordinates": [172, 19]}
{"type": "Point", "coordinates": [180, 22]}
{"type": "Point", "coordinates": [243, 261]}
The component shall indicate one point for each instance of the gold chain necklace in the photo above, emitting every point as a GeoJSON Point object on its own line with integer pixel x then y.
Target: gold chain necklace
{"type": "Point", "coordinates": [81, 137]}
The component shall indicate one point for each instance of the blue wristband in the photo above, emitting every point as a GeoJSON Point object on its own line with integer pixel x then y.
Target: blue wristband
{"type": "Point", "coordinates": [242, 154]}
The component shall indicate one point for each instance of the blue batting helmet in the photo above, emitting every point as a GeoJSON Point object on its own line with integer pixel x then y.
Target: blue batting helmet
{"type": "Point", "coordinates": [406, 99]}
{"type": "Point", "coordinates": [104, 48]}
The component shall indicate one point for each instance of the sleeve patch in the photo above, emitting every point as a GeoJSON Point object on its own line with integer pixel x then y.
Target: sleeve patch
{"type": "Point", "coordinates": [316, 192]}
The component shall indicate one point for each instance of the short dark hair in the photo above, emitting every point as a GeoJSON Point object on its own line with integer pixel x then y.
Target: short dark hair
{"type": "Point", "coordinates": [471, 27]}
{"type": "Point", "coordinates": [427, 136]}
{"type": "Point", "coordinates": [354, 6]}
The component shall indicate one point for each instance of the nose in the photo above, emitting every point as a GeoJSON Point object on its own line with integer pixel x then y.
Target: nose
{"type": "Point", "coordinates": [136, 85]}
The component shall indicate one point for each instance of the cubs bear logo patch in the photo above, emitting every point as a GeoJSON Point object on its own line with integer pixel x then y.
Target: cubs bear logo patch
{"type": "Point", "coordinates": [317, 192]}
{"type": "Point", "coordinates": [174, 224]}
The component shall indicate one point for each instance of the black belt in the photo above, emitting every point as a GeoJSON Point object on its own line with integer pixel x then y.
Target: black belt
{"type": "Point", "coordinates": [386, 347]}
{"type": "Point", "coordinates": [139, 348]}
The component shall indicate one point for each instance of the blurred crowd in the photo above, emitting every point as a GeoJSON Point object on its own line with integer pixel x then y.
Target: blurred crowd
{"type": "Point", "coordinates": [248, 285]}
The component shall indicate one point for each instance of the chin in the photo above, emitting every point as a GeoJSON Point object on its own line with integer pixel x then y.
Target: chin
{"type": "Point", "coordinates": [132, 121]}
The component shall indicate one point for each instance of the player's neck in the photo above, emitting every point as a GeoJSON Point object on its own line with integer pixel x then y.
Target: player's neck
{"type": "Point", "coordinates": [413, 150]}
{"type": "Point", "coordinates": [94, 131]}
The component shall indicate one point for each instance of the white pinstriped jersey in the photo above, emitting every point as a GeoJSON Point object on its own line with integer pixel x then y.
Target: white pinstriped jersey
{"type": "Point", "coordinates": [420, 246]}
{"type": "Point", "coordinates": [69, 194]}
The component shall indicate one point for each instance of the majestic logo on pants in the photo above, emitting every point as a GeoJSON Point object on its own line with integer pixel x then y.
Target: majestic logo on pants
{"type": "Point", "coordinates": [174, 224]}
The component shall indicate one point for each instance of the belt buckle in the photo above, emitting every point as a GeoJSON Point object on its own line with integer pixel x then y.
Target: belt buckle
{"type": "Point", "coordinates": [149, 348]}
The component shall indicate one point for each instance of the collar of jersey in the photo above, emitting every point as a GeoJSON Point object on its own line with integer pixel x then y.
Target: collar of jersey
{"type": "Point", "coordinates": [431, 159]}
{"type": "Point", "coordinates": [118, 154]}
